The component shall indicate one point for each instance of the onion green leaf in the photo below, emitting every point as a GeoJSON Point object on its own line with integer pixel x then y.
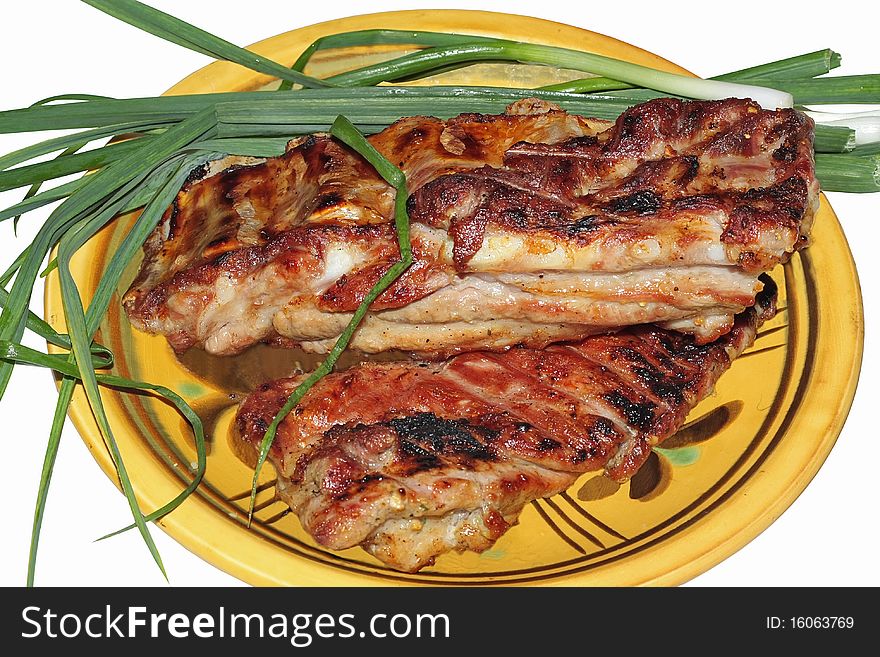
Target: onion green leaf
{"type": "Point", "coordinates": [183, 34]}
{"type": "Point", "coordinates": [346, 132]}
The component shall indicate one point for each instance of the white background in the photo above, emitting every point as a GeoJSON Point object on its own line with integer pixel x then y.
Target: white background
{"type": "Point", "coordinates": [828, 537]}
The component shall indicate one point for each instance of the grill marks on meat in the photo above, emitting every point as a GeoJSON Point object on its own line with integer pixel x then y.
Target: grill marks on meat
{"type": "Point", "coordinates": [312, 231]}
{"type": "Point", "coordinates": [529, 227]}
{"type": "Point", "coordinates": [411, 460]}
{"type": "Point", "coordinates": [679, 174]}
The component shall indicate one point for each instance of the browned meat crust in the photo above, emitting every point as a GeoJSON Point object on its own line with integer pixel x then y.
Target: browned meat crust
{"type": "Point", "coordinates": [411, 460]}
{"type": "Point", "coordinates": [528, 227]}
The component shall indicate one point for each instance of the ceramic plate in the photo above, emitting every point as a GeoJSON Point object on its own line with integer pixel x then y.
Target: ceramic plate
{"type": "Point", "coordinates": [745, 454]}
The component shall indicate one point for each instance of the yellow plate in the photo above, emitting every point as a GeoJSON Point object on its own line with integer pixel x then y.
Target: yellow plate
{"type": "Point", "coordinates": [745, 455]}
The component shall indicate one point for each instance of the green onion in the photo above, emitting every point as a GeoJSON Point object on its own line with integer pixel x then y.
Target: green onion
{"type": "Point", "coordinates": [96, 188]}
{"type": "Point", "coordinates": [833, 138]}
{"type": "Point", "coordinates": [376, 37]}
{"type": "Point", "coordinates": [588, 85]}
{"type": "Point", "coordinates": [80, 333]}
{"type": "Point", "coordinates": [382, 37]}
{"type": "Point", "coordinates": [65, 394]}
{"type": "Point", "coordinates": [71, 372]}
{"type": "Point", "coordinates": [455, 49]}
{"type": "Point", "coordinates": [34, 189]}
{"type": "Point", "coordinates": [802, 66]}
{"type": "Point", "coordinates": [562, 58]}
{"type": "Point", "coordinates": [346, 132]}
{"type": "Point", "coordinates": [851, 173]}
{"type": "Point", "coordinates": [249, 146]}
{"type": "Point", "coordinates": [178, 172]}
{"type": "Point", "coordinates": [183, 34]}
{"type": "Point", "coordinates": [41, 199]}
{"type": "Point", "coordinates": [860, 89]}
{"type": "Point", "coordinates": [808, 65]}
{"type": "Point", "coordinates": [68, 97]}
{"type": "Point", "coordinates": [101, 197]}
{"type": "Point", "coordinates": [50, 335]}
{"type": "Point", "coordinates": [867, 149]}
{"type": "Point", "coordinates": [62, 143]}
{"type": "Point", "coordinates": [65, 165]}
{"type": "Point", "coordinates": [304, 105]}
{"type": "Point", "coordinates": [11, 351]}
{"type": "Point", "coordinates": [865, 125]}
{"type": "Point", "coordinates": [381, 106]}
{"type": "Point", "coordinates": [101, 300]}
{"type": "Point", "coordinates": [73, 148]}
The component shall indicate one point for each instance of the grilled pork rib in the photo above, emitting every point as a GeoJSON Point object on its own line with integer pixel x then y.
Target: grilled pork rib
{"type": "Point", "coordinates": [411, 460]}
{"type": "Point", "coordinates": [528, 227]}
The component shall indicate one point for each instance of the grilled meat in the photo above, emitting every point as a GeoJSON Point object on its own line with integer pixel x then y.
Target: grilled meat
{"type": "Point", "coordinates": [411, 460]}
{"type": "Point", "coordinates": [528, 227]}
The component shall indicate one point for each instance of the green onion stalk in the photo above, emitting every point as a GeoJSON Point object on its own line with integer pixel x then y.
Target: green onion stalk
{"type": "Point", "coordinates": [345, 131]}
{"type": "Point", "coordinates": [865, 125]}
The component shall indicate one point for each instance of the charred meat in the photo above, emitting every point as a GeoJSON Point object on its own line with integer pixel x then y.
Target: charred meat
{"type": "Point", "coordinates": [411, 460]}
{"type": "Point", "coordinates": [529, 227]}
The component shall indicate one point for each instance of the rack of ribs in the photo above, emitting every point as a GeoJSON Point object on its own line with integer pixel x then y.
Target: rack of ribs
{"type": "Point", "coordinates": [413, 459]}
{"type": "Point", "coordinates": [528, 227]}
